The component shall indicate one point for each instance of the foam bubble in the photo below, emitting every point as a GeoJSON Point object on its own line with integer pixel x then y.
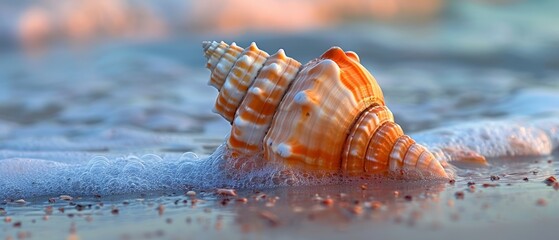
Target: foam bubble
{"type": "Point", "coordinates": [492, 139]}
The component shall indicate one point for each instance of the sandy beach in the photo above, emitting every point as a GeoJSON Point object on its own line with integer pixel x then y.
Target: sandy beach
{"type": "Point", "coordinates": [106, 135]}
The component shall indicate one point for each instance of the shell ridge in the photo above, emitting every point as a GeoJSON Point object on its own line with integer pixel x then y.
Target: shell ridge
{"type": "Point", "coordinates": [405, 140]}
{"type": "Point", "coordinates": [269, 95]}
{"type": "Point", "coordinates": [252, 81]}
{"type": "Point", "coordinates": [285, 70]}
{"type": "Point", "coordinates": [368, 145]}
{"type": "Point", "coordinates": [225, 65]}
{"type": "Point", "coordinates": [268, 142]}
{"type": "Point", "coordinates": [215, 54]}
{"type": "Point", "coordinates": [382, 143]}
{"type": "Point", "coordinates": [326, 100]}
{"type": "Point", "coordinates": [230, 97]}
{"type": "Point", "coordinates": [225, 49]}
{"type": "Point", "coordinates": [350, 139]}
{"type": "Point", "coordinates": [286, 105]}
{"type": "Point", "coordinates": [360, 135]}
{"type": "Point", "coordinates": [347, 64]}
{"type": "Point", "coordinates": [410, 159]}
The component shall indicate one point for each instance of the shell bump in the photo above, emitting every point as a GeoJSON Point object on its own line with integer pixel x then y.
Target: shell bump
{"type": "Point", "coordinates": [328, 114]}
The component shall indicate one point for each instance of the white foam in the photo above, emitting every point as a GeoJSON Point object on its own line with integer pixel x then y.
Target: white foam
{"type": "Point", "coordinates": [514, 138]}
{"type": "Point", "coordinates": [24, 177]}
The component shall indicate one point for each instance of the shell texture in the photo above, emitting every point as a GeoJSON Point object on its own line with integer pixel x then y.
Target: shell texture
{"type": "Point", "coordinates": [328, 114]}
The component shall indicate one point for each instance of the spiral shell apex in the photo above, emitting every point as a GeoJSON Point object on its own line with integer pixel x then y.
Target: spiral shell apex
{"type": "Point", "coordinates": [328, 114]}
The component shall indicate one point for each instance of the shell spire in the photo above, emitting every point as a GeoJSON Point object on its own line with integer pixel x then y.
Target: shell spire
{"type": "Point", "coordinates": [328, 114]}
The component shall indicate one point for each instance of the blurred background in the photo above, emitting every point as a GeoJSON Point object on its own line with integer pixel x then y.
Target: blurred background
{"type": "Point", "coordinates": [75, 70]}
{"type": "Point", "coordinates": [85, 82]}
{"type": "Point", "coordinates": [429, 26]}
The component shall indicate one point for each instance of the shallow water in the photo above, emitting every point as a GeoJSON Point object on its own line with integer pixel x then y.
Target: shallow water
{"type": "Point", "coordinates": [128, 126]}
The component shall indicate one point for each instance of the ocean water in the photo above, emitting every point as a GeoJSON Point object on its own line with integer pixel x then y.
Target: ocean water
{"type": "Point", "coordinates": [128, 125]}
{"type": "Point", "coordinates": [93, 127]}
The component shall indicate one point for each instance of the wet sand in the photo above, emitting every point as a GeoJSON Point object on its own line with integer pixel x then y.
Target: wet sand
{"type": "Point", "coordinates": [513, 202]}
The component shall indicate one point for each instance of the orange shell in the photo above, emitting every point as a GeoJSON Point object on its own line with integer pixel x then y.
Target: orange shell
{"type": "Point", "coordinates": [326, 115]}
{"type": "Point", "coordinates": [313, 119]}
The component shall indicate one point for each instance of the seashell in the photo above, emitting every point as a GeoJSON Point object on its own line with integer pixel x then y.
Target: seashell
{"type": "Point", "coordinates": [328, 114]}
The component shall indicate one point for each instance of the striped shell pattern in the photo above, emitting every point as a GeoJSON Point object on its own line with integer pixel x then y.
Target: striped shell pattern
{"type": "Point", "coordinates": [328, 114]}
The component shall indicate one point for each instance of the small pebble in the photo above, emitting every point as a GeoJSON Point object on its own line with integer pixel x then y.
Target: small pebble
{"type": "Point", "coordinates": [48, 209]}
{"type": "Point", "coordinates": [298, 209]}
{"type": "Point", "coordinates": [459, 195]}
{"type": "Point", "coordinates": [357, 210]}
{"type": "Point", "coordinates": [160, 209]}
{"type": "Point", "coordinates": [408, 197]}
{"type": "Point", "coordinates": [375, 205]}
{"type": "Point", "coordinates": [260, 196]}
{"type": "Point", "coordinates": [494, 178]}
{"type": "Point", "coordinates": [328, 202]}
{"type": "Point", "coordinates": [450, 203]}
{"type": "Point", "coordinates": [270, 217]}
{"type": "Point", "coordinates": [550, 180]}
{"type": "Point", "coordinates": [316, 198]}
{"type": "Point", "coordinates": [66, 197]}
{"type": "Point", "coordinates": [226, 192]}
{"type": "Point", "coordinates": [486, 185]}
{"type": "Point", "coordinates": [114, 211]}
{"type": "Point", "coordinates": [525, 179]}
{"type": "Point", "coordinates": [541, 202]}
